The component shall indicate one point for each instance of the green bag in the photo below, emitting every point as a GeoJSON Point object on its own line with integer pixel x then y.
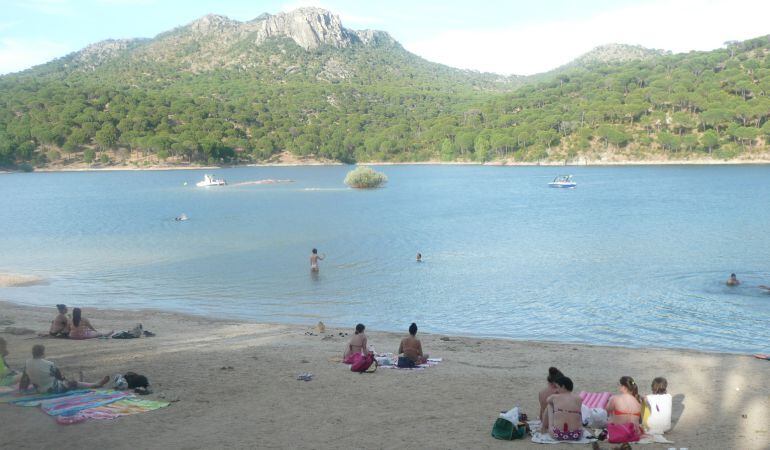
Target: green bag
{"type": "Point", "coordinates": [507, 431]}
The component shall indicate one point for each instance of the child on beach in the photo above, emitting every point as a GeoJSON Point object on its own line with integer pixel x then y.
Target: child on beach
{"type": "Point", "coordinates": [46, 377]}
{"type": "Point", "coordinates": [656, 418]}
{"type": "Point", "coordinates": [7, 375]}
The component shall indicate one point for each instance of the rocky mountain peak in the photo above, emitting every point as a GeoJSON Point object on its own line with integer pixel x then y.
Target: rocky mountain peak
{"type": "Point", "coordinates": [308, 27]}
{"type": "Point", "coordinates": [617, 53]}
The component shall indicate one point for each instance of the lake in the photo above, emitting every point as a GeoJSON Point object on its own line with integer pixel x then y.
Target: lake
{"type": "Point", "coordinates": [634, 256]}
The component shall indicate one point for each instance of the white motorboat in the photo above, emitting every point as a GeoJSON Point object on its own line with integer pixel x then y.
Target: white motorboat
{"type": "Point", "coordinates": [563, 181]}
{"type": "Point", "coordinates": [209, 180]}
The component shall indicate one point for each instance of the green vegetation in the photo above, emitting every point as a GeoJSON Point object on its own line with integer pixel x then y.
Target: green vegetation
{"type": "Point", "coordinates": [378, 103]}
{"type": "Point", "coordinates": [365, 178]}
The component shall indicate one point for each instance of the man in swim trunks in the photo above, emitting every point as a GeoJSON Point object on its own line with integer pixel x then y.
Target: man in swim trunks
{"type": "Point", "coordinates": [314, 258]}
{"type": "Point", "coordinates": [46, 377]}
{"type": "Point", "coordinates": [733, 280]}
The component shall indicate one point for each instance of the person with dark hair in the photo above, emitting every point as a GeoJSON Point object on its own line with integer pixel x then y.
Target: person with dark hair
{"type": "Point", "coordinates": [625, 410]}
{"type": "Point", "coordinates": [656, 416]}
{"type": "Point", "coordinates": [47, 378]}
{"type": "Point", "coordinates": [357, 344]}
{"type": "Point", "coordinates": [419, 257]}
{"type": "Point", "coordinates": [314, 258]}
{"type": "Point", "coordinates": [81, 328]}
{"type": "Point", "coordinates": [563, 411]}
{"type": "Point", "coordinates": [410, 349]}
{"type": "Point", "coordinates": [60, 324]}
{"type": "Point", "coordinates": [733, 280]}
{"type": "Point", "coordinates": [550, 389]}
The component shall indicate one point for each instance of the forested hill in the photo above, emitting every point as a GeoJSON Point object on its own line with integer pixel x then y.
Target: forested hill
{"type": "Point", "coordinates": [223, 91]}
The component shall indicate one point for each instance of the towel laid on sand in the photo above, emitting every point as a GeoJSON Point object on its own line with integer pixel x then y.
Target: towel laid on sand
{"type": "Point", "coordinates": [545, 438]}
{"type": "Point", "coordinates": [12, 395]}
{"type": "Point", "coordinates": [124, 407]}
{"type": "Point", "coordinates": [595, 399]}
{"type": "Point", "coordinates": [69, 405]}
{"type": "Point", "coordinates": [392, 358]}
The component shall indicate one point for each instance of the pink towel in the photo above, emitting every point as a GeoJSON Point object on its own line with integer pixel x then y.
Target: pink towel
{"type": "Point", "coordinates": [595, 399]}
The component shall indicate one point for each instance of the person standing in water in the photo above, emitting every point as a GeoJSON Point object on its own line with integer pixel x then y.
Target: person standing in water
{"type": "Point", "coordinates": [733, 280]}
{"type": "Point", "coordinates": [314, 258]}
{"type": "Point", "coordinates": [419, 257]}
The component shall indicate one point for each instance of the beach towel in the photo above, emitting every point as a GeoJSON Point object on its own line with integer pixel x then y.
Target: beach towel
{"type": "Point", "coordinates": [430, 363]}
{"type": "Point", "coordinates": [69, 405]}
{"type": "Point", "coordinates": [124, 407]}
{"type": "Point", "coordinates": [545, 438]}
{"type": "Point", "coordinates": [29, 397]}
{"type": "Point", "coordinates": [595, 399]}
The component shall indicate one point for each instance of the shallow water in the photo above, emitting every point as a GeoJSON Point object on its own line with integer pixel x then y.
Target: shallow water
{"type": "Point", "coordinates": [635, 256]}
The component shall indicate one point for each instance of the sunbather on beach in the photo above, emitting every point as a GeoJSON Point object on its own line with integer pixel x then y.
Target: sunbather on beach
{"type": "Point", "coordinates": [357, 344]}
{"type": "Point", "coordinates": [553, 375]}
{"type": "Point", "coordinates": [625, 407]}
{"type": "Point", "coordinates": [60, 323]}
{"type": "Point", "coordinates": [47, 378]}
{"type": "Point", "coordinates": [7, 375]}
{"type": "Point", "coordinates": [81, 328]}
{"type": "Point", "coordinates": [656, 415]}
{"type": "Point", "coordinates": [733, 280]}
{"type": "Point", "coordinates": [563, 410]}
{"type": "Point", "coordinates": [411, 347]}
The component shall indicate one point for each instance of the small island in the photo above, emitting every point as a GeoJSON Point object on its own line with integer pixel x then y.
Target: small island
{"type": "Point", "coordinates": [363, 177]}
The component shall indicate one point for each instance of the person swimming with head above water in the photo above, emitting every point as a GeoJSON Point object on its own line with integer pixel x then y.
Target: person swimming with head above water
{"type": "Point", "coordinates": [733, 280]}
{"type": "Point", "coordinates": [419, 257]}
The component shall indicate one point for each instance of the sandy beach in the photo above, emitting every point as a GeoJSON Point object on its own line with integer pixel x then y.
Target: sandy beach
{"type": "Point", "coordinates": [725, 401]}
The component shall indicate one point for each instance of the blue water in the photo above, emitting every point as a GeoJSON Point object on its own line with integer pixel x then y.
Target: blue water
{"type": "Point", "coordinates": [635, 256]}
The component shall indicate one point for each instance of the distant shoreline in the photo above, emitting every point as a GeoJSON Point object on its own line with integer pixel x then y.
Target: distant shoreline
{"type": "Point", "coordinates": [657, 162]}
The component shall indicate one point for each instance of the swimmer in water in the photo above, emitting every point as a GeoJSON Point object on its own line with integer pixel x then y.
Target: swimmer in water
{"type": "Point", "coordinates": [314, 258]}
{"type": "Point", "coordinates": [733, 281]}
{"type": "Point", "coordinates": [419, 257]}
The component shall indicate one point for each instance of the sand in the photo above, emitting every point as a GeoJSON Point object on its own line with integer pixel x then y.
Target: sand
{"type": "Point", "coordinates": [260, 404]}
{"type": "Point", "coordinates": [17, 280]}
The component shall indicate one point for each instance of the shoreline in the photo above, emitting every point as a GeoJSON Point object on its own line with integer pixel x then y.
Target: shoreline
{"type": "Point", "coordinates": [223, 319]}
{"type": "Point", "coordinates": [233, 384]}
{"type": "Point", "coordinates": [630, 163]}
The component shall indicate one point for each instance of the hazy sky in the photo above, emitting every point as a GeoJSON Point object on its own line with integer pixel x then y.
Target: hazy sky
{"type": "Point", "coordinates": [509, 37]}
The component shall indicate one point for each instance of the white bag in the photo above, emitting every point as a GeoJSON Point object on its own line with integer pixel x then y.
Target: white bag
{"type": "Point", "coordinates": [593, 417]}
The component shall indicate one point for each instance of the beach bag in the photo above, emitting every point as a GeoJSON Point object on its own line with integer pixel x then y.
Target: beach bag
{"type": "Point", "coordinates": [505, 430]}
{"type": "Point", "coordinates": [620, 433]}
{"type": "Point", "coordinates": [594, 417]}
{"type": "Point", "coordinates": [134, 380]}
{"type": "Point", "coordinates": [362, 362]}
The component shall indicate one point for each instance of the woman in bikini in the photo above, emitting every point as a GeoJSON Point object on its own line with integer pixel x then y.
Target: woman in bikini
{"type": "Point", "coordinates": [563, 411]}
{"type": "Point", "coordinates": [626, 408]}
{"type": "Point", "coordinates": [81, 328]}
{"type": "Point", "coordinates": [357, 345]}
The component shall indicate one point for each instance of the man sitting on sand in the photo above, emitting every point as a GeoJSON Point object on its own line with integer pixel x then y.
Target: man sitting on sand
{"type": "Point", "coordinates": [564, 415]}
{"type": "Point", "coordinates": [60, 324]}
{"type": "Point", "coordinates": [411, 348]}
{"type": "Point", "coordinates": [46, 377]}
{"type": "Point", "coordinates": [733, 280]}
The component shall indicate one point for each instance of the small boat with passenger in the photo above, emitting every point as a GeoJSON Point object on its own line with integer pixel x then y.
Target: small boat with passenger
{"type": "Point", "coordinates": [563, 181]}
{"type": "Point", "coordinates": [209, 180]}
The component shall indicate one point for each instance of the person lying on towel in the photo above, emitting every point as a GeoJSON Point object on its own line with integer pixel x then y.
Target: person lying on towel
{"type": "Point", "coordinates": [563, 410]}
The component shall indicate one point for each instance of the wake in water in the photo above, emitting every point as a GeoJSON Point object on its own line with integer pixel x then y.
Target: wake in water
{"type": "Point", "coordinates": [266, 181]}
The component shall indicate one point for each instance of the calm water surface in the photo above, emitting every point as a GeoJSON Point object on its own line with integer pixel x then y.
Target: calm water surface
{"type": "Point", "coordinates": [635, 256]}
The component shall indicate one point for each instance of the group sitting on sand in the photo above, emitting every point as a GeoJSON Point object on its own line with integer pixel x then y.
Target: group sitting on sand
{"type": "Point", "coordinates": [628, 415]}
{"type": "Point", "coordinates": [409, 350]}
{"type": "Point", "coordinates": [75, 327]}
